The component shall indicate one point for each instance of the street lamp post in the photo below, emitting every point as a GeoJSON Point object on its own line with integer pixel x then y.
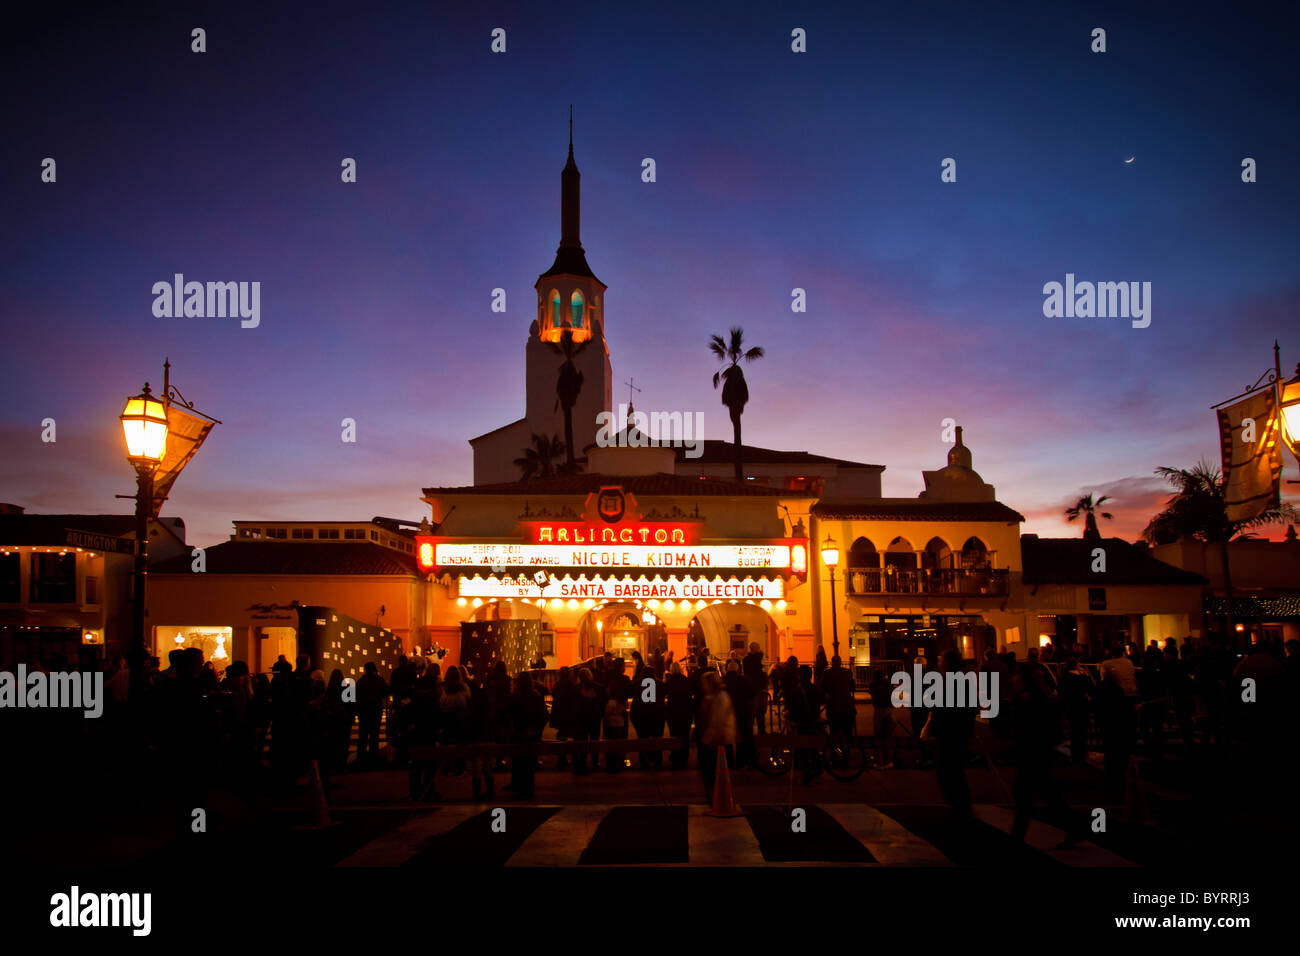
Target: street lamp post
{"type": "Point", "coordinates": [830, 558]}
{"type": "Point", "coordinates": [144, 426]}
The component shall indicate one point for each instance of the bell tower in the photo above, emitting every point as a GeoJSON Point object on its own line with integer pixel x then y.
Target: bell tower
{"type": "Point", "coordinates": [570, 300]}
{"type": "Point", "coordinates": [570, 306]}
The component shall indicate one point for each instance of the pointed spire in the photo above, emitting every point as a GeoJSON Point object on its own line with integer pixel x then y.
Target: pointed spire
{"type": "Point", "coordinates": [570, 189]}
{"type": "Point", "coordinates": [569, 257]}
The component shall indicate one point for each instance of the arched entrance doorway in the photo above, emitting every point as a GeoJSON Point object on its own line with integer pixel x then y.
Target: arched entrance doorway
{"type": "Point", "coordinates": [725, 627]}
{"type": "Point", "coordinates": [619, 628]}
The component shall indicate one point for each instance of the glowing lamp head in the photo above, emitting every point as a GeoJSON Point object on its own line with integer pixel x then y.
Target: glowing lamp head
{"type": "Point", "coordinates": [144, 426]}
{"type": "Point", "coordinates": [1291, 412]}
{"type": "Point", "coordinates": [830, 552]}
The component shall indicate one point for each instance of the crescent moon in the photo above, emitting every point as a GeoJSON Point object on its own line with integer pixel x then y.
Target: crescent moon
{"type": "Point", "coordinates": [1129, 161]}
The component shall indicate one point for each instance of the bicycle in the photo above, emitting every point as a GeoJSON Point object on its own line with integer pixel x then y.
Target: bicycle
{"type": "Point", "coordinates": [838, 754]}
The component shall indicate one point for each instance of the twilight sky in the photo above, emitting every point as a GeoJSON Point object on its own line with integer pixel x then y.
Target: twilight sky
{"type": "Point", "coordinates": [775, 170]}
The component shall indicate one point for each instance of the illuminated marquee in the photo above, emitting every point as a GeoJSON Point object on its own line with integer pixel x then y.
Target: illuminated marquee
{"type": "Point", "coordinates": [584, 532]}
{"type": "Point", "coordinates": [624, 589]}
{"type": "Point", "coordinates": [773, 556]}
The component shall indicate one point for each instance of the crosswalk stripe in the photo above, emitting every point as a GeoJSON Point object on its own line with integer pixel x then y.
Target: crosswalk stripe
{"type": "Point", "coordinates": [1046, 839]}
{"type": "Point", "coordinates": [888, 840]}
{"type": "Point", "coordinates": [561, 839]}
{"type": "Point", "coordinates": [402, 843]}
{"type": "Point", "coordinates": [721, 841]}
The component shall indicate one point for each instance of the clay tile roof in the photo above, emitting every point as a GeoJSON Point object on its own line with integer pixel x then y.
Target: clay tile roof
{"type": "Point", "coordinates": [295, 557]}
{"type": "Point", "coordinates": [660, 484]}
{"type": "Point", "coordinates": [716, 451]}
{"type": "Point", "coordinates": [1069, 561]}
{"type": "Point", "coordinates": [913, 509]}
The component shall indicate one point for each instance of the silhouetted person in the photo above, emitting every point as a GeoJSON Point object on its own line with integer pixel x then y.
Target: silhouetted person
{"type": "Point", "coordinates": [1036, 730]}
{"type": "Point", "coordinates": [372, 692]}
{"type": "Point", "coordinates": [841, 706]}
{"type": "Point", "coordinates": [742, 701]}
{"type": "Point", "coordinates": [482, 730]}
{"type": "Point", "coordinates": [618, 690]}
{"type": "Point", "coordinates": [528, 717]}
{"type": "Point", "coordinates": [590, 700]}
{"type": "Point", "coordinates": [715, 726]}
{"type": "Point", "coordinates": [952, 728]}
{"type": "Point", "coordinates": [680, 711]}
{"type": "Point", "coordinates": [819, 664]}
{"type": "Point", "coordinates": [421, 727]}
{"type": "Point", "coordinates": [454, 711]}
{"type": "Point", "coordinates": [1077, 691]}
{"type": "Point", "coordinates": [1116, 718]}
{"type": "Point", "coordinates": [882, 719]}
{"type": "Point", "coordinates": [564, 711]}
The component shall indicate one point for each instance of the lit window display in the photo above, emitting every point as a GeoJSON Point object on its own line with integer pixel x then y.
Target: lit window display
{"type": "Point", "coordinates": [215, 642]}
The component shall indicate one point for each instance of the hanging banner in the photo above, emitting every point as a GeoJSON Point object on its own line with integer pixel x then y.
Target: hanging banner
{"type": "Point", "coordinates": [1252, 454]}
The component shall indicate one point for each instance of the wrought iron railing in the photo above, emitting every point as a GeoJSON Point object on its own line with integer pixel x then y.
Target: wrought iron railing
{"type": "Point", "coordinates": [972, 582]}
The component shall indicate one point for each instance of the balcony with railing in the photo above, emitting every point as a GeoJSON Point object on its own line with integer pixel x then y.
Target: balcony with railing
{"type": "Point", "coordinates": [963, 582]}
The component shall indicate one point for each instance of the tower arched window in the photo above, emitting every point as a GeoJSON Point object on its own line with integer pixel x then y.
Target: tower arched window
{"type": "Point", "coordinates": [577, 313]}
{"type": "Point", "coordinates": [557, 318]}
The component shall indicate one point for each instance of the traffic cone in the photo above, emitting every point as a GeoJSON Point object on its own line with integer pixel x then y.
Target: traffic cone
{"type": "Point", "coordinates": [319, 809]}
{"type": "Point", "coordinates": [724, 804]}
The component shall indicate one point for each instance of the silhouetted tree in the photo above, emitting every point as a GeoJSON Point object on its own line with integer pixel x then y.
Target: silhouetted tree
{"type": "Point", "coordinates": [735, 393]}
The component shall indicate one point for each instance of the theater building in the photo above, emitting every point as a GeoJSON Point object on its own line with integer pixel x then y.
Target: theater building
{"type": "Point", "coordinates": [646, 546]}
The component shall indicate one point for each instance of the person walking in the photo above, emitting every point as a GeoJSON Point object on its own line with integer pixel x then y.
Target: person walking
{"type": "Point", "coordinates": [1036, 730]}
{"type": "Point", "coordinates": [742, 701]}
{"type": "Point", "coordinates": [1116, 697]}
{"type": "Point", "coordinates": [715, 727]}
{"type": "Point", "coordinates": [952, 728]}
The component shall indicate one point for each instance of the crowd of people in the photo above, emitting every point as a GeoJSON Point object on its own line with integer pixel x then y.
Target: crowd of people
{"type": "Point", "coordinates": [208, 726]}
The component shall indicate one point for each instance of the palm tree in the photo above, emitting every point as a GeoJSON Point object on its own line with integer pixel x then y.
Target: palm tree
{"type": "Point", "coordinates": [1198, 510]}
{"type": "Point", "coordinates": [735, 393]}
{"type": "Point", "coordinates": [567, 388]}
{"type": "Point", "coordinates": [538, 460]}
{"type": "Point", "coordinates": [1089, 509]}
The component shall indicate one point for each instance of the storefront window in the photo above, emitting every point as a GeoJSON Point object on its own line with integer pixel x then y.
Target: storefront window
{"type": "Point", "coordinates": [215, 642]}
{"type": "Point", "coordinates": [11, 569]}
{"type": "Point", "coordinates": [54, 579]}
